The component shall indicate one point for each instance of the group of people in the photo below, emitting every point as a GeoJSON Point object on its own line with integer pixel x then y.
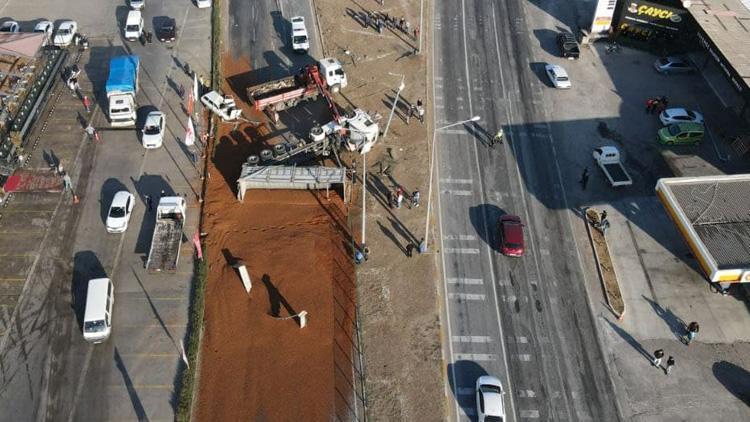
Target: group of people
{"type": "Point", "coordinates": [416, 110]}
{"type": "Point", "coordinates": [398, 196]}
{"type": "Point", "coordinates": [382, 20]}
{"type": "Point", "coordinates": [692, 331]}
{"type": "Point", "coordinates": [656, 105]}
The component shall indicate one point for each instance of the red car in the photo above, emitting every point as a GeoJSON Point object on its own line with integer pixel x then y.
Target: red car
{"type": "Point", "coordinates": [510, 230]}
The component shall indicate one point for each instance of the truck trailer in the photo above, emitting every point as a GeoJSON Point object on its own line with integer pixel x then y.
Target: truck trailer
{"type": "Point", "coordinates": [122, 86]}
{"type": "Point", "coordinates": [608, 159]}
{"type": "Point", "coordinates": [167, 237]}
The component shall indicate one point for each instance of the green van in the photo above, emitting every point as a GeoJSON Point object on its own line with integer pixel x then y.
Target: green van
{"type": "Point", "coordinates": [681, 134]}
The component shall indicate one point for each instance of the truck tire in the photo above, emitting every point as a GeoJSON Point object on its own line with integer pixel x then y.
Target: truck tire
{"type": "Point", "coordinates": [266, 155]}
{"type": "Point", "coordinates": [317, 134]}
{"type": "Point", "coordinates": [253, 160]}
{"type": "Point", "coordinates": [279, 150]}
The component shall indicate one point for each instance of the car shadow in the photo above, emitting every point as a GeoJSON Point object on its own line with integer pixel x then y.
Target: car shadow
{"type": "Point", "coordinates": [463, 374]}
{"type": "Point", "coordinates": [483, 217]}
{"type": "Point", "coordinates": [153, 186]}
{"type": "Point", "coordinates": [735, 379]}
{"type": "Point", "coordinates": [547, 41]}
{"type": "Point", "coordinates": [537, 68]}
{"type": "Point", "coordinates": [86, 266]}
{"type": "Point", "coordinates": [109, 188]}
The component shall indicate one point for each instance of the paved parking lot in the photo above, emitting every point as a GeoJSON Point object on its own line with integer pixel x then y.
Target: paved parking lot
{"type": "Point", "coordinates": [48, 371]}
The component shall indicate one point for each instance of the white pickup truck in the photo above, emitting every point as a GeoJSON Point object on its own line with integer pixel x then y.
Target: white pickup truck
{"type": "Point", "coordinates": [608, 159]}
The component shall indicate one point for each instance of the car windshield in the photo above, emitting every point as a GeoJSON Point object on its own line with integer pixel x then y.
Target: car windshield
{"type": "Point", "coordinates": [168, 27]}
{"type": "Point", "coordinates": [674, 130]}
{"type": "Point", "coordinates": [152, 130]}
{"type": "Point", "coordinates": [131, 28]}
{"type": "Point", "coordinates": [300, 39]}
{"type": "Point", "coordinates": [63, 31]}
{"type": "Point", "coordinates": [562, 78]}
{"type": "Point", "coordinates": [487, 388]}
{"type": "Point", "coordinates": [493, 419]}
{"type": "Point", "coordinates": [513, 245]}
{"type": "Point", "coordinates": [117, 212]}
{"type": "Point", "coordinates": [94, 326]}
{"type": "Point", "coordinates": [663, 61]}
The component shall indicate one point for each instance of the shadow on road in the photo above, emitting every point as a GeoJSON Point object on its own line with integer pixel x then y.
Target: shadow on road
{"type": "Point", "coordinates": [86, 266]}
{"type": "Point", "coordinates": [734, 378]}
{"type": "Point", "coordinates": [140, 411]}
{"type": "Point", "coordinates": [152, 185]}
{"type": "Point", "coordinates": [485, 214]}
{"type": "Point", "coordinates": [630, 340]}
{"type": "Point", "coordinates": [675, 323]}
{"type": "Point", "coordinates": [467, 373]}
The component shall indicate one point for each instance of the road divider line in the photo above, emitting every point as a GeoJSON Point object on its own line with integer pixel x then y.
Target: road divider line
{"type": "Point", "coordinates": [476, 357]}
{"type": "Point", "coordinates": [465, 181]}
{"type": "Point", "coordinates": [518, 339]}
{"type": "Point", "coordinates": [464, 251]}
{"type": "Point", "coordinates": [468, 281]}
{"type": "Point", "coordinates": [143, 386]}
{"type": "Point", "coordinates": [466, 296]}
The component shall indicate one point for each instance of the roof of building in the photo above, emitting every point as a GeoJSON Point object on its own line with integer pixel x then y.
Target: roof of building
{"type": "Point", "coordinates": [727, 23]}
{"type": "Point", "coordinates": [21, 44]}
{"type": "Point", "coordinates": [718, 210]}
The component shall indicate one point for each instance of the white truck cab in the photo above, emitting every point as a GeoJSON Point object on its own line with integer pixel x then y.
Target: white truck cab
{"type": "Point", "coordinates": [300, 40]}
{"type": "Point", "coordinates": [133, 25]}
{"type": "Point", "coordinates": [97, 318]}
{"type": "Point", "coordinates": [334, 74]}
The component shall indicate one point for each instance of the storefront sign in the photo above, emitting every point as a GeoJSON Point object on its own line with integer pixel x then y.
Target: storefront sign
{"type": "Point", "coordinates": [605, 10]}
{"type": "Point", "coordinates": [656, 16]}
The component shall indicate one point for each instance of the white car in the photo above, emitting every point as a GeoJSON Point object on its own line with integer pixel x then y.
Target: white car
{"type": "Point", "coordinates": [10, 26]}
{"type": "Point", "coordinates": [137, 4]}
{"type": "Point", "coordinates": [490, 400]}
{"type": "Point", "coordinates": [153, 130]}
{"type": "Point", "coordinates": [120, 211]}
{"type": "Point", "coordinates": [44, 27]}
{"type": "Point", "coordinates": [300, 40]}
{"type": "Point", "coordinates": [65, 33]}
{"type": "Point", "coordinates": [679, 115]}
{"type": "Point", "coordinates": [558, 76]}
{"type": "Point", "coordinates": [202, 4]}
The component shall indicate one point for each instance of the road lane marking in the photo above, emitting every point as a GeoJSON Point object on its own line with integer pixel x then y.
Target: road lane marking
{"type": "Point", "coordinates": [459, 237]}
{"type": "Point", "coordinates": [518, 339]}
{"type": "Point", "coordinates": [529, 394]}
{"type": "Point", "coordinates": [458, 192]}
{"type": "Point", "coordinates": [523, 357]}
{"type": "Point", "coordinates": [464, 251]}
{"type": "Point", "coordinates": [464, 181]}
{"type": "Point", "coordinates": [466, 296]}
{"type": "Point", "coordinates": [472, 339]}
{"type": "Point", "coordinates": [529, 414]}
{"type": "Point", "coordinates": [143, 386]}
{"type": "Point", "coordinates": [467, 281]}
{"type": "Point", "coordinates": [476, 357]}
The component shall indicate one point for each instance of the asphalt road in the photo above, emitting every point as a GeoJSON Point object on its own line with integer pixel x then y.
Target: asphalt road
{"type": "Point", "coordinates": [525, 320]}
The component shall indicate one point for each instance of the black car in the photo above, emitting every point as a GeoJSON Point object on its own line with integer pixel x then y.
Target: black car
{"type": "Point", "coordinates": [167, 31]}
{"type": "Point", "coordinates": [568, 45]}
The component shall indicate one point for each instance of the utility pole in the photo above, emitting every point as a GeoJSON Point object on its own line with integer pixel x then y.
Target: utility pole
{"type": "Point", "coordinates": [395, 103]}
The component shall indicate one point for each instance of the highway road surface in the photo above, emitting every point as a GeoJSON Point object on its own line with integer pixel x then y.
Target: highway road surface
{"type": "Point", "coordinates": [525, 320]}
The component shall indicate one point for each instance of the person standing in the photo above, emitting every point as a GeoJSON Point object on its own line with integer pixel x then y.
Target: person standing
{"type": "Point", "coordinates": [422, 246]}
{"type": "Point", "coordinates": [498, 138]}
{"type": "Point", "coordinates": [399, 197]}
{"type": "Point", "coordinates": [87, 103]}
{"type": "Point", "coordinates": [658, 356]}
{"type": "Point", "coordinates": [670, 364]}
{"type": "Point", "coordinates": [67, 183]}
{"type": "Point", "coordinates": [692, 331]}
{"type": "Point", "coordinates": [415, 198]}
{"type": "Point", "coordinates": [584, 178]}
{"type": "Point", "coordinates": [90, 131]}
{"type": "Point", "coordinates": [149, 203]}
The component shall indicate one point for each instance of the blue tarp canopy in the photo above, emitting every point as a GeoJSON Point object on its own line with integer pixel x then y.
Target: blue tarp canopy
{"type": "Point", "coordinates": [122, 74]}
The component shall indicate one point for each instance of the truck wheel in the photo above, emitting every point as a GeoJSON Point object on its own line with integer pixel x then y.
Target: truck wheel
{"type": "Point", "coordinates": [279, 149]}
{"type": "Point", "coordinates": [317, 134]}
{"type": "Point", "coordinates": [266, 155]}
{"type": "Point", "coordinates": [253, 160]}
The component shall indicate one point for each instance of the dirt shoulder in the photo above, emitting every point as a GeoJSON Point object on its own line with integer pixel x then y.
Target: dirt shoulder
{"type": "Point", "coordinates": [397, 295]}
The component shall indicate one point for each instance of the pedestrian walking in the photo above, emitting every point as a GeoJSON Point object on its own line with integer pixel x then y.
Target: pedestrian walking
{"type": "Point", "coordinates": [422, 246]}
{"type": "Point", "coordinates": [380, 25]}
{"type": "Point", "coordinates": [406, 27]}
{"type": "Point", "coordinates": [584, 178]}
{"type": "Point", "coordinates": [90, 131]}
{"type": "Point", "coordinates": [654, 106]}
{"type": "Point", "coordinates": [67, 183]}
{"type": "Point", "coordinates": [420, 110]}
{"type": "Point", "coordinates": [76, 87]}
{"type": "Point", "coordinates": [415, 198]}
{"type": "Point", "coordinates": [649, 105]}
{"type": "Point", "coordinates": [181, 91]}
{"type": "Point", "coordinates": [416, 32]}
{"type": "Point", "coordinates": [658, 356]}
{"type": "Point", "coordinates": [399, 197]}
{"type": "Point", "coordinates": [149, 203]}
{"type": "Point", "coordinates": [87, 103]}
{"type": "Point", "coordinates": [603, 217]}
{"type": "Point", "coordinates": [358, 257]}
{"type": "Point", "coordinates": [401, 23]}
{"type": "Point", "coordinates": [60, 169]}
{"type": "Point", "coordinates": [670, 364]}
{"type": "Point", "coordinates": [692, 331]}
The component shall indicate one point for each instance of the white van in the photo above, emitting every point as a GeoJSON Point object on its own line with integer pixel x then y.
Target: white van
{"type": "Point", "coordinates": [300, 41]}
{"type": "Point", "coordinates": [133, 25]}
{"type": "Point", "coordinates": [97, 319]}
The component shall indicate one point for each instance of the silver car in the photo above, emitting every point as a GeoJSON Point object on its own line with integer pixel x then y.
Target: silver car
{"type": "Point", "coordinates": [558, 76]}
{"type": "Point", "coordinates": [668, 65]}
{"type": "Point", "coordinates": [679, 115]}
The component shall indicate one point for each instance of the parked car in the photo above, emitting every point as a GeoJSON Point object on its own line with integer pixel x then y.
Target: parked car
{"type": "Point", "coordinates": [679, 115]}
{"type": "Point", "coordinates": [568, 45]}
{"type": "Point", "coordinates": [667, 65]}
{"type": "Point", "coordinates": [682, 134]}
{"type": "Point", "coordinates": [65, 33]}
{"type": "Point", "coordinates": [153, 130]}
{"type": "Point", "coordinates": [490, 400]}
{"type": "Point", "coordinates": [167, 30]}
{"type": "Point", "coordinates": [202, 4]}
{"type": "Point", "coordinates": [510, 231]}
{"type": "Point", "coordinates": [558, 76]}
{"type": "Point", "coordinates": [10, 26]}
{"type": "Point", "coordinates": [44, 27]}
{"type": "Point", "coordinates": [120, 211]}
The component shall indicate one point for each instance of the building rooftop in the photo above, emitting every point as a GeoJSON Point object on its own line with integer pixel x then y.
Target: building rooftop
{"type": "Point", "coordinates": [718, 209]}
{"type": "Point", "coordinates": [727, 23]}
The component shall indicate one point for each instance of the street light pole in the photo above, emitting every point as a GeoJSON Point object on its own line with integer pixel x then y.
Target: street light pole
{"type": "Point", "coordinates": [364, 194]}
{"type": "Point", "coordinates": [395, 103]}
{"type": "Point", "coordinates": [432, 163]}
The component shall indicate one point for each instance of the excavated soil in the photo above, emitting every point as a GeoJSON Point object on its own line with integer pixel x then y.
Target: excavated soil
{"type": "Point", "coordinates": [606, 269]}
{"type": "Point", "coordinates": [295, 244]}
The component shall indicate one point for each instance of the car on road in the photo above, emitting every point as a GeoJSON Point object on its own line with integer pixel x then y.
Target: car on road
{"type": "Point", "coordinates": [202, 4]}
{"type": "Point", "coordinates": [65, 33]}
{"type": "Point", "coordinates": [167, 30]}
{"type": "Point", "coordinates": [300, 40]}
{"type": "Point", "coordinates": [490, 400]}
{"type": "Point", "coordinates": [682, 134]}
{"type": "Point", "coordinates": [568, 45]}
{"type": "Point", "coordinates": [558, 76]}
{"type": "Point", "coordinates": [97, 316]}
{"type": "Point", "coordinates": [133, 25]}
{"type": "Point", "coordinates": [510, 231]}
{"type": "Point", "coordinates": [679, 115]}
{"type": "Point", "coordinates": [10, 26]}
{"type": "Point", "coordinates": [120, 211]}
{"type": "Point", "coordinates": [668, 65]}
{"type": "Point", "coordinates": [153, 130]}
